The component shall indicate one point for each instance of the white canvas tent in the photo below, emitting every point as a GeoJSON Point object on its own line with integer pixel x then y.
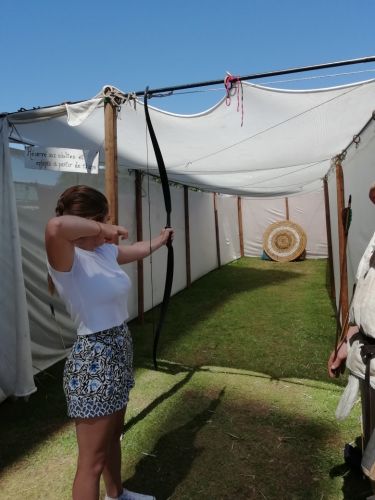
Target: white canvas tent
{"type": "Point", "coordinates": [284, 148]}
{"type": "Point", "coordinates": [359, 174]}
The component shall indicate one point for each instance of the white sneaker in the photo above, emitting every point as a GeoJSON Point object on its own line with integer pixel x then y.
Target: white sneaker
{"type": "Point", "coordinates": [130, 495]}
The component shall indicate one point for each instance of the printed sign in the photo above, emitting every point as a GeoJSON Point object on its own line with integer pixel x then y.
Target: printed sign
{"type": "Point", "coordinates": [62, 160]}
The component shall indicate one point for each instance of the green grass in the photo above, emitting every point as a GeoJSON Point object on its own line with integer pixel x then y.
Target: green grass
{"type": "Point", "coordinates": [241, 406]}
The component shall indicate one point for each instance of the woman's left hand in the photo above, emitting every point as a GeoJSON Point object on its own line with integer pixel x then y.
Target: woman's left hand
{"type": "Point", "coordinates": [166, 234]}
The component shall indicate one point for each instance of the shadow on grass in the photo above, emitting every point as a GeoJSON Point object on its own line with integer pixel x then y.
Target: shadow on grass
{"type": "Point", "coordinates": [171, 459]}
{"type": "Point", "coordinates": [246, 451]}
{"type": "Point", "coordinates": [226, 449]}
{"type": "Point", "coordinates": [24, 424]}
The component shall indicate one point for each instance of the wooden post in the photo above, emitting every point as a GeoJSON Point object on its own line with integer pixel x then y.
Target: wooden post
{"type": "Point", "coordinates": [343, 300]}
{"type": "Point", "coordinates": [110, 139]}
{"type": "Point", "coordinates": [139, 222]}
{"type": "Point", "coordinates": [217, 233]}
{"type": "Point", "coordinates": [240, 226]}
{"type": "Point", "coordinates": [187, 236]}
{"type": "Point", "coordinates": [287, 208]}
{"type": "Point", "coordinates": [329, 238]}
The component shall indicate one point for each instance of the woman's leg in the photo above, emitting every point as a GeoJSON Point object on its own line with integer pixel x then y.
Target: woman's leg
{"type": "Point", "coordinates": [93, 436]}
{"type": "Point", "coordinates": [112, 468]}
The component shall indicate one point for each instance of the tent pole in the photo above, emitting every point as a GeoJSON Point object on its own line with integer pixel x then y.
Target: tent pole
{"type": "Point", "coordinates": [139, 222]}
{"type": "Point", "coordinates": [110, 141]}
{"type": "Point", "coordinates": [253, 76]}
{"type": "Point", "coordinates": [240, 225]}
{"type": "Point", "coordinates": [329, 237]}
{"type": "Point", "coordinates": [287, 208]}
{"type": "Point", "coordinates": [256, 76]}
{"type": "Point", "coordinates": [217, 231]}
{"type": "Point", "coordinates": [187, 236]}
{"type": "Point", "coordinates": [343, 300]}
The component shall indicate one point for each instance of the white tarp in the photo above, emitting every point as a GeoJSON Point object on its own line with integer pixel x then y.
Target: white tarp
{"type": "Point", "coordinates": [16, 375]}
{"type": "Point", "coordinates": [359, 175]}
{"type": "Point", "coordinates": [284, 146]}
{"type": "Point", "coordinates": [283, 149]}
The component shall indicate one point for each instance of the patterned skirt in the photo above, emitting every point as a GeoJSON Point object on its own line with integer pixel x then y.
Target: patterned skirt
{"type": "Point", "coordinates": [98, 373]}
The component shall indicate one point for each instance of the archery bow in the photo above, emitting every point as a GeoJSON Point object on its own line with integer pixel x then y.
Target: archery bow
{"type": "Point", "coordinates": [341, 334]}
{"type": "Point", "coordinates": [168, 209]}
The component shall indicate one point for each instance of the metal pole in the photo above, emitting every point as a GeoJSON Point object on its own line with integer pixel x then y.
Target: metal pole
{"type": "Point", "coordinates": [139, 218]}
{"type": "Point", "coordinates": [187, 236]}
{"type": "Point", "coordinates": [216, 215]}
{"type": "Point", "coordinates": [256, 76]}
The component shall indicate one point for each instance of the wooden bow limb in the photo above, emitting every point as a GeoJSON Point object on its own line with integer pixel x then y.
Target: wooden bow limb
{"type": "Point", "coordinates": [340, 339]}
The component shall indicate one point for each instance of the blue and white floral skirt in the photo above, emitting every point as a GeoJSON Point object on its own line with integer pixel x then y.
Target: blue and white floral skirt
{"type": "Point", "coordinates": [98, 373]}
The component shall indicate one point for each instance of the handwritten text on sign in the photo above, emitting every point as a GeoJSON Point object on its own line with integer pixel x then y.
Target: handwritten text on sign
{"type": "Point", "coordinates": [62, 160]}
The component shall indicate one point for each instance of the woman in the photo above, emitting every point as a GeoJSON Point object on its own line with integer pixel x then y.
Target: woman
{"type": "Point", "coordinates": [83, 264]}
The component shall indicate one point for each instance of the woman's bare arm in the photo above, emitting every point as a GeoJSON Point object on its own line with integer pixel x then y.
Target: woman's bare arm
{"type": "Point", "coordinates": [61, 233]}
{"type": "Point", "coordinates": [141, 249]}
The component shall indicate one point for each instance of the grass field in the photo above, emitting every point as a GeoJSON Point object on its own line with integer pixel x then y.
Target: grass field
{"type": "Point", "coordinates": [241, 406]}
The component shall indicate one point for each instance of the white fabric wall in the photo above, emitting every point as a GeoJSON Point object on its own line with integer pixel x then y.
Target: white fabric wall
{"type": "Point", "coordinates": [16, 376]}
{"type": "Point", "coordinates": [229, 236]}
{"type": "Point", "coordinates": [257, 215]}
{"type": "Point", "coordinates": [359, 175]}
{"type": "Point", "coordinates": [307, 210]}
{"type": "Point", "coordinates": [203, 254]}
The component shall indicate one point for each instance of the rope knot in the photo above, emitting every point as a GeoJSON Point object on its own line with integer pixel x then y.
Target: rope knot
{"type": "Point", "coordinates": [233, 86]}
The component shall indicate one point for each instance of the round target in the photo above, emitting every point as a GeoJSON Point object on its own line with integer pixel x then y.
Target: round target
{"type": "Point", "coordinates": [284, 241]}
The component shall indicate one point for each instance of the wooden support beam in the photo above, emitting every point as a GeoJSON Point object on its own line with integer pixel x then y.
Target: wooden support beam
{"type": "Point", "coordinates": [343, 300]}
{"type": "Point", "coordinates": [287, 208]}
{"type": "Point", "coordinates": [111, 177]}
{"type": "Point", "coordinates": [139, 222]}
{"type": "Point", "coordinates": [240, 225]}
{"type": "Point", "coordinates": [329, 238]}
{"type": "Point", "coordinates": [187, 236]}
{"type": "Point", "coordinates": [217, 232]}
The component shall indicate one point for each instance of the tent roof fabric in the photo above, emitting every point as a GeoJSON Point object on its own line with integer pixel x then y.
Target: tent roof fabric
{"type": "Point", "coordinates": [284, 147]}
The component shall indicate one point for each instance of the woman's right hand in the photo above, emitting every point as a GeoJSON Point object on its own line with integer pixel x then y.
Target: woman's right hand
{"type": "Point", "coordinates": [336, 361]}
{"type": "Point", "coordinates": [110, 233]}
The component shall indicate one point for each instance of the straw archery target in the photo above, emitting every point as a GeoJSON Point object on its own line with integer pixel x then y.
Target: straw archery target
{"type": "Point", "coordinates": [284, 241]}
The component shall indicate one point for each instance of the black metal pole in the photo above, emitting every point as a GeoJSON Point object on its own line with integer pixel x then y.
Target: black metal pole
{"type": "Point", "coordinates": [256, 76]}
